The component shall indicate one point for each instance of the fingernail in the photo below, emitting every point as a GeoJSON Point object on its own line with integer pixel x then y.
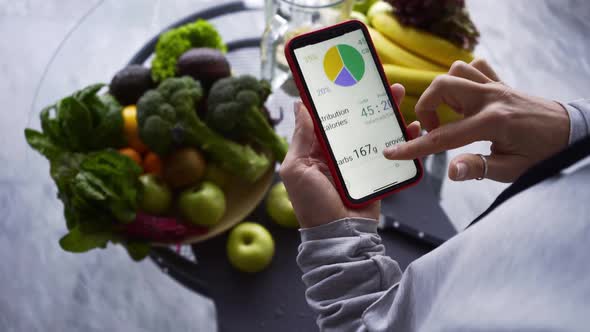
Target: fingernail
{"type": "Point", "coordinates": [461, 170]}
{"type": "Point", "coordinates": [391, 150]}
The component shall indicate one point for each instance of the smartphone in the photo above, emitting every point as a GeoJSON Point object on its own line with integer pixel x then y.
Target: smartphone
{"type": "Point", "coordinates": [342, 84]}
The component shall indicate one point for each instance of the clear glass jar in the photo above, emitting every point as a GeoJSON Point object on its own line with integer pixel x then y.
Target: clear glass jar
{"type": "Point", "coordinates": [288, 18]}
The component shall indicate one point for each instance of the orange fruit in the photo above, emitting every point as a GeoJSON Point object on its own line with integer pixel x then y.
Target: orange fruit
{"type": "Point", "coordinates": [152, 163]}
{"type": "Point", "coordinates": [130, 129]}
{"type": "Point", "coordinates": [134, 155]}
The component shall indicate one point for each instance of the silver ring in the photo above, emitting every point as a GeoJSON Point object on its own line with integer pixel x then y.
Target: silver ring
{"type": "Point", "coordinates": [485, 167]}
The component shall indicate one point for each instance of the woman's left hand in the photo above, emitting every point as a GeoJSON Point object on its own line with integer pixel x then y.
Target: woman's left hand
{"type": "Point", "coordinates": [307, 177]}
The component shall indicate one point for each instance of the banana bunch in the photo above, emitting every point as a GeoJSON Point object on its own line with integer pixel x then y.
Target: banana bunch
{"type": "Point", "coordinates": [412, 57]}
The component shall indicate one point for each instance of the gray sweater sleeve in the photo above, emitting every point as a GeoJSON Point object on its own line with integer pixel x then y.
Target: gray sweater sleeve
{"type": "Point", "coordinates": [345, 270]}
{"type": "Point", "coordinates": [353, 286]}
{"type": "Point", "coordinates": [579, 113]}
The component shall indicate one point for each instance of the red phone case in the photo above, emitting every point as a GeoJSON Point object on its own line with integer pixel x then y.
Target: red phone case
{"type": "Point", "coordinates": [305, 99]}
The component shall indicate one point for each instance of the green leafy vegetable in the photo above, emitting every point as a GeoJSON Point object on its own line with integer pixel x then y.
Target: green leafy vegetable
{"type": "Point", "coordinates": [84, 121]}
{"type": "Point", "coordinates": [138, 250]}
{"type": "Point", "coordinates": [109, 180]}
{"type": "Point", "coordinates": [42, 144]}
{"type": "Point", "coordinates": [167, 118]}
{"type": "Point", "coordinates": [99, 190]}
{"type": "Point", "coordinates": [173, 43]}
{"type": "Point", "coordinates": [235, 107]}
{"type": "Point", "coordinates": [76, 241]}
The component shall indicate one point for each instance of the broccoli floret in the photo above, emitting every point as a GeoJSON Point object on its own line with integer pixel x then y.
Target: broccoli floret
{"type": "Point", "coordinates": [235, 106]}
{"type": "Point", "coordinates": [167, 119]}
{"type": "Point", "coordinates": [173, 43]}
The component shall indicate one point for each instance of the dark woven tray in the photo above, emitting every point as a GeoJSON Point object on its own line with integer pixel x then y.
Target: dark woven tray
{"type": "Point", "coordinates": [273, 300]}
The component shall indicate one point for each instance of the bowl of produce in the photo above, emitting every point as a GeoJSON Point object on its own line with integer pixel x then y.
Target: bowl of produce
{"type": "Point", "coordinates": [177, 148]}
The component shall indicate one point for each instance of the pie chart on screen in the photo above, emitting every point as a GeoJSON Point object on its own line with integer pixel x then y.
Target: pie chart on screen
{"type": "Point", "coordinates": [344, 65]}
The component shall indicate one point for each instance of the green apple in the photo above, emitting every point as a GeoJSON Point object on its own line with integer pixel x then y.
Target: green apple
{"type": "Point", "coordinates": [155, 194]}
{"type": "Point", "coordinates": [279, 207]}
{"type": "Point", "coordinates": [202, 205]}
{"type": "Point", "coordinates": [250, 247]}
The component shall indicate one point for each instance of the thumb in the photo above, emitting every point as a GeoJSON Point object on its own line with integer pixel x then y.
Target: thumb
{"type": "Point", "coordinates": [466, 166]}
{"type": "Point", "coordinates": [502, 168]}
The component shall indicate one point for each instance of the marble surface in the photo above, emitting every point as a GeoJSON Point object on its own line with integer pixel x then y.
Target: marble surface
{"type": "Point", "coordinates": [540, 47]}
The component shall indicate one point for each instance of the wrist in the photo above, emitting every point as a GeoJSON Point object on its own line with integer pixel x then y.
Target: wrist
{"type": "Point", "coordinates": [312, 220]}
{"type": "Point", "coordinates": [556, 129]}
{"type": "Point", "coordinates": [564, 115]}
{"type": "Point", "coordinates": [344, 227]}
{"type": "Point", "coordinates": [560, 121]}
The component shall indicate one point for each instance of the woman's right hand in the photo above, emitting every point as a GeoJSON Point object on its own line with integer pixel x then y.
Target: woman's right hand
{"type": "Point", "coordinates": [523, 129]}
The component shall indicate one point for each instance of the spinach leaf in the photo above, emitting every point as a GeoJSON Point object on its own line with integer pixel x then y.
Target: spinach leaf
{"type": "Point", "coordinates": [108, 130]}
{"type": "Point", "coordinates": [75, 123]}
{"type": "Point", "coordinates": [116, 176]}
{"type": "Point", "coordinates": [138, 250]}
{"type": "Point", "coordinates": [90, 186]}
{"type": "Point", "coordinates": [84, 121]}
{"type": "Point", "coordinates": [42, 144]}
{"type": "Point", "coordinates": [50, 125]}
{"type": "Point", "coordinates": [88, 95]}
{"type": "Point", "coordinates": [77, 241]}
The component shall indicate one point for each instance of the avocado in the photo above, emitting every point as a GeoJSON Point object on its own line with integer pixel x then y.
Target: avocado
{"type": "Point", "coordinates": [205, 65]}
{"type": "Point", "coordinates": [130, 83]}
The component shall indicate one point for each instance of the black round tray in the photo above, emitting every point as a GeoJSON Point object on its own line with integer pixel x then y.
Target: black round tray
{"type": "Point", "coordinates": [272, 300]}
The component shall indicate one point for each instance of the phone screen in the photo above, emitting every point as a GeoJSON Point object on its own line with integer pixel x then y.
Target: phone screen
{"type": "Point", "coordinates": [355, 112]}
